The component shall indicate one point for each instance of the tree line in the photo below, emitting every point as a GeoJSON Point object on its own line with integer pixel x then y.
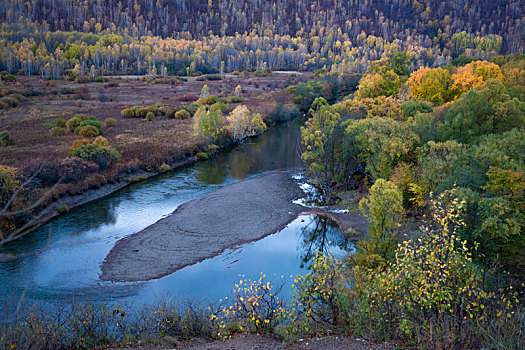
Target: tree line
{"type": "Point", "coordinates": [93, 38]}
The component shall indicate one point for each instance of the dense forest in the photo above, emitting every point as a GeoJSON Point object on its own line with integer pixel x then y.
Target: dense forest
{"type": "Point", "coordinates": [88, 38]}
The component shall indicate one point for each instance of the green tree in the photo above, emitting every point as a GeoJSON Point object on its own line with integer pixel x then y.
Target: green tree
{"type": "Point", "coordinates": [411, 108]}
{"type": "Point", "coordinates": [318, 137]}
{"type": "Point", "coordinates": [304, 94]}
{"type": "Point", "coordinates": [208, 122]}
{"type": "Point", "coordinates": [383, 208]}
{"type": "Point", "coordinates": [382, 143]}
{"type": "Point", "coordinates": [487, 111]}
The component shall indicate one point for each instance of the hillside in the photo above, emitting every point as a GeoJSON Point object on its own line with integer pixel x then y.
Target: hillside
{"type": "Point", "coordinates": [130, 37]}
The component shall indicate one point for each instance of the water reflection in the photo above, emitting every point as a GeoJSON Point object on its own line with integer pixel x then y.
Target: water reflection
{"type": "Point", "coordinates": [321, 234]}
{"type": "Point", "coordinates": [242, 161]}
{"type": "Point", "coordinates": [211, 172]}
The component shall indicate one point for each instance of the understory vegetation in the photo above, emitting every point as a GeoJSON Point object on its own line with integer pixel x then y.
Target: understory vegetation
{"type": "Point", "coordinates": [442, 147]}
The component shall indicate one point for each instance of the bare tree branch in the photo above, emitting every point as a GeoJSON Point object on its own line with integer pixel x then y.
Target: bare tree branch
{"type": "Point", "coordinates": [5, 213]}
{"type": "Point", "coordinates": [13, 196]}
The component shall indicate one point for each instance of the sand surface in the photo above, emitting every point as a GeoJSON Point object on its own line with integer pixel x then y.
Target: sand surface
{"type": "Point", "coordinates": [202, 228]}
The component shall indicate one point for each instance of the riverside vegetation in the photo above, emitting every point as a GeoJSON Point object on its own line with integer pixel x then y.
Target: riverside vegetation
{"type": "Point", "coordinates": [420, 123]}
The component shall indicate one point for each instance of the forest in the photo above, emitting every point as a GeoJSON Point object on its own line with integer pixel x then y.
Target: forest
{"type": "Point", "coordinates": [410, 116]}
{"type": "Point", "coordinates": [84, 39]}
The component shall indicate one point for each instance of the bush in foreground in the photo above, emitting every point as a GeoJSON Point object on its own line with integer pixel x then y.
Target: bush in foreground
{"type": "Point", "coordinates": [73, 325]}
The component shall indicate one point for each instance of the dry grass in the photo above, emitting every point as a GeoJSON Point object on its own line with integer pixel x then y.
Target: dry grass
{"type": "Point", "coordinates": [134, 138]}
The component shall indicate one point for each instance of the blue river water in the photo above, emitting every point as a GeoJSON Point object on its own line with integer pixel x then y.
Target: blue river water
{"type": "Point", "coordinates": [62, 258]}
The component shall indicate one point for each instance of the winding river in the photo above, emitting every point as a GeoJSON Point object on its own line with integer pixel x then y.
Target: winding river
{"type": "Point", "coordinates": [65, 254]}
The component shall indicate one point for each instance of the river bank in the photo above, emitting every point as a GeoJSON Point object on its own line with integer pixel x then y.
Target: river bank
{"type": "Point", "coordinates": [145, 146]}
{"type": "Point", "coordinates": [242, 212]}
{"type": "Point", "coordinates": [55, 207]}
{"type": "Point", "coordinates": [202, 228]}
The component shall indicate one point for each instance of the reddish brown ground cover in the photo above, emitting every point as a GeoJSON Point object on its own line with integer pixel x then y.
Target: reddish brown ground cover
{"type": "Point", "coordinates": [143, 144]}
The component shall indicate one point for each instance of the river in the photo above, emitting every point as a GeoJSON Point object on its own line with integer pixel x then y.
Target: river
{"type": "Point", "coordinates": [65, 254]}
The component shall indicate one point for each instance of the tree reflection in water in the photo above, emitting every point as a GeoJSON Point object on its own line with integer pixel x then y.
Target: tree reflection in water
{"type": "Point", "coordinates": [321, 235]}
{"type": "Point", "coordinates": [211, 172]}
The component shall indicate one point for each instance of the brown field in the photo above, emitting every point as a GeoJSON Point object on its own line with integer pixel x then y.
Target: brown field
{"type": "Point", "coordinates": [135, 138]}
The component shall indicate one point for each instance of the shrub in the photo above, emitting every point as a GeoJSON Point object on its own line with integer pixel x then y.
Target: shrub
{"type": "Point", "coordinates": [209, 77]}
{"type": "Point", "coordinates": [141, 112]}
{"type": "Point", "coordinates": [88, 131]}
{"type": "Point", "coordinates": [210, 100]}
{"type": "Point", "coordinates": [280, 113]}
{"type": "Point", "coordinates": [74, 122]}
{"type": "Point", "coordinates": [433, 292]}
{"type": "Point", "coordinates": [318, 294]}
{"type": "Point", "coordinates": [10, 101]}
{"type": "Point", "coordinates": [80, 325]}
{"type": "Point", "coordinates": [82, 80]}
{"type": "Point", "coordinates": [182, 114]}
{"type": "Point", "coordinates": [150, 116]}
{"type": "Point", "coordinates": [9, 183]}
{"type": "Point", "coordinates": [7, 77]}
{"type": "Point", "coordinates": [255, 307]}
{"type": "Point", "coordinates": [194, 105]}
{"type": "Point", "coordinates": [188, 98]}
{"type": "Point", "coordinates": [163, 168]}
{"type": "Point", "coordinates": [69, 170]}
{"type": "Point", "coordinates": [101, 141]}
{"type": "Point", "coordinates": [137, 178]}
{"type": "Point", "coordinates": [58, 131]}
{"type": "Point", "coordinates": [235, 99]}
{"type": "Point", "coordinates": [219, 106]}
{"type": "Point", "coordinates": [91, 122]}
{"type": "Point", "coordinates": [104, 156]}
{"type": "Point", "coordinates": [77, 144]}
{"type": "Point", "coordinates": [261, 73]}
{"type": "Point", "coordinates": [201, 156]}
{"type": "Point", "coordinates": [63, 209]}
{"type": "Point", "coordinates": [58, 122]}
{"type": "Point", "coordinates": [6, 139]}
{"type": "Point", "coordinates": [191, 109]}
{"type": "Point", "coordinates": [109, 123]}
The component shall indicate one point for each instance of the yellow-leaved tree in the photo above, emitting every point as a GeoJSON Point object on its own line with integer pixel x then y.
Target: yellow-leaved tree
{"type": "Point", "coordinates": [433, 85]}
{"type": "Point", "coordinates": [383, 208]}
{"type": "Point", "coordinates": [242, 124]}
{"type": "Point", "coordinates": [473, 75]}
